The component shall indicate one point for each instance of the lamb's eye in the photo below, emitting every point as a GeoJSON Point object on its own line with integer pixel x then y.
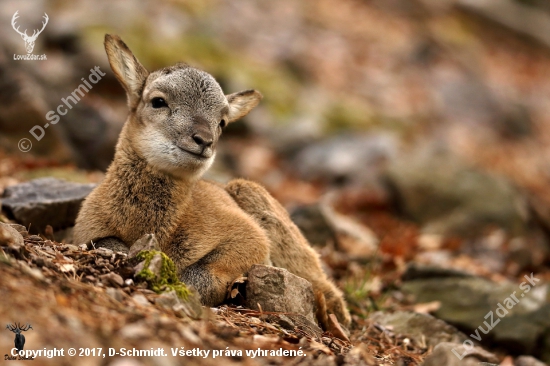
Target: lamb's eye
{"type": "Point", "coordinates": [158, 103]}
{"type": "Point", "coordinates": [222, 123]}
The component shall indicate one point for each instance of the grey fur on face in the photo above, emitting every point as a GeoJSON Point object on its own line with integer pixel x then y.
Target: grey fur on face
{"type": "Point", "coordinates": [186, 129]}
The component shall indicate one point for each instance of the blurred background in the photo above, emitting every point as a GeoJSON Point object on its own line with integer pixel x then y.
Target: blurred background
{"type": "Point", "coordinates": [394, 131]}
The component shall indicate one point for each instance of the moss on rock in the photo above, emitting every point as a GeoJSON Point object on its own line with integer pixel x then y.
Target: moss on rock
{"type": "Point", "coordinates": [167, 280]}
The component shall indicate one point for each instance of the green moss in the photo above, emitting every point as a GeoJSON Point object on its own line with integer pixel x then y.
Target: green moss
{"type": "Point", "coordinates": [168, 279]}
{"type": "Point", "coordinates": [357, 291]}
{"type": "Point", "coordinates": [343, 115]}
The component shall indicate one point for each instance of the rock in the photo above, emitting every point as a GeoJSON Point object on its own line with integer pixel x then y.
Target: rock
{"type": "Point", "coordinates": [313, 224]}
{"type": "Point", "coordinates": [298, 321]}
{"type": "Point", "coordinates": [140, 299]}
{"type": "Point", "coordinates": [278, 290]}
{"type": "Point", "coordinates": [155, 266]}
{"type": "Point", "coordinates": [190, 307]}
{"type": "Point", "coordinates": [104, 252]}
{"type": "Point", "coordinates": [346, 158]}
{"type": "Point", "coordinates": [353, 238]}
{"type": "Point", "coordinates": [10, 237]}
{"type": "Point", "coordinates": [137, 330]}
{"type": "Point", "coordinates": [321, 224]}
{"type": "Point", "coordinates": [420, 326]}
{"type": "Point", "coordinates": [113, 244]}
{"type": "Point", "coordinates": [116, 294]}
{"type": "Point", "coordinates": [415, 271]}
{"type": "Point", "coordinates": [167, 300]}
{"type": "Point", "coordinates": [33, 272]}
{"type": "Point", "coordinates": [146, 242]}
{"type": "Point", "coordinates": [449, 198]}
{"type": "Point", "coordinates": [474, 304]}
{"type": "Point", "coordinates": [528, 361]}
{"type": "Point", "coordinates": [159, 272]}
{"type": "Point", "coordinates": [472, 356]}
{"type": "Point", "coordinates": [45, 201]}
{"type": "Point", "coordinates": [112, 278]}
{"type": "Point", "coordinates": [20, 229]}
{"type": "Point", "coordinates": [528, 21]}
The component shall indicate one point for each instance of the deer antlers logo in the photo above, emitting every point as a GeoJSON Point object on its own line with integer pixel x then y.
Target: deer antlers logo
{"type": "Point", "coordinates": [19, 338]}
{"type": "Point", "coordinates": [29, 40]}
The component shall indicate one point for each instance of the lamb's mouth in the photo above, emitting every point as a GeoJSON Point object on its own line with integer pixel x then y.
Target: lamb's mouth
{"type": "Point", "coordinates": [194, 154]}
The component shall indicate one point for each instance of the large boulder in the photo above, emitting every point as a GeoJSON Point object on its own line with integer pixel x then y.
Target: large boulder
{"type": "Point", "coordinates": [45, 201]}
{"type": "Point", "coordinates": [448, 197]}
{"type": "Point", "coordinates": [419, 327]}
{"type": "Point", "coordinates": [453, 354]}
{"type": "Point", "coordinates": [515, 316]}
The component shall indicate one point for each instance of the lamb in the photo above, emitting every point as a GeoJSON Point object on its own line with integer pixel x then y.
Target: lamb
{"type": "Point", "coordinates": [213, 233]}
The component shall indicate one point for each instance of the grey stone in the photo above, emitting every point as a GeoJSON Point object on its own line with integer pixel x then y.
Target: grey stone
{"type": "Point", "coordinates": [534, 22]}
{"type": "Point", "coordinates": [415, 271]}
{"type": "Point", "coordinates": [167, 300]}
{"type": "Point", "coordinates": [472, 356]}
{"type": "Point", "coordinates": [528, 361]}
{"type": "Point", "coordinates": [140, 299]}
{"type": "Point", "coordinates": [155, 266]}
{"type": "Point", "coordinates": [337, 159]}
{"type": "Point", "coordinates": [321, 224]}
{"type": "Point", "coordinates": [277, 290]}
{"type": "Point", "coordinates": [313, 224]}
{"type": "Point", "coordinates": [20, 229]}
{"type": "Point", "coordinates": [10, 237]}
{"type": "Point", "coordinates": [352, 237]}
{"type": "Point", "coordinates": [466, 303]}
{"type": "Point", "coordinates": [116, 294]}
{"type": "Point", "coordinates": [437, 190]}
{"type": "Point", "coordinates": [112, 278]}
{"type": "Point", "coordinates": [104, 252]}
{"type": "Point", "coordinates": [190, 307]}
{"type": "Point", "coordinates": [113, 244]}
{"type": "Point", "coordinates": [138, 330]}
{"type": "Point", "coordinates": [35, 273]}
{"type": "Point", "coordinates": [146, 242]}
{"type": "Point", "coordinates": [293, 321]}
{"type": "Point", "coordinates": [420, 326]}
{"type": "Point", "coordinates": [45, 201]}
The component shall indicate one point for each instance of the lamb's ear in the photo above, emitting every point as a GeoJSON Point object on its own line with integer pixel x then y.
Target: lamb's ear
{"type": "Point", "coordinates": [129, 72]}
{"type": "Point", "coordinates": [241, 103]}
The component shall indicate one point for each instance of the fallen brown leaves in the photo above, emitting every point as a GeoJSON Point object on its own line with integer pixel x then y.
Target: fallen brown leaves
{"type": "Point", "coordinates": [79, 297]}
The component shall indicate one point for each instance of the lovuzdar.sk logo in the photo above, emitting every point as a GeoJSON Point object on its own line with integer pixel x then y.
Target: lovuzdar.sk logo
{"type": "Point", "coordinates": [19, 338]}
{"type": "Point", "coordinates": [29, 40]}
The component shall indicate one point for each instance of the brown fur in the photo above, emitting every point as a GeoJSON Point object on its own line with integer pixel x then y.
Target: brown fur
{"type": "Point", "coordinates": [214, 235]}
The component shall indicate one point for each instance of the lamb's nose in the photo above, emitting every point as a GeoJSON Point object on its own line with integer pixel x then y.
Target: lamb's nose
{"type": "Point", "coordinates": [202, 141]}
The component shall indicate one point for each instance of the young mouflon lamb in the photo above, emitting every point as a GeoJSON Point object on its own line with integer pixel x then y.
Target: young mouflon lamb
{"type": "Point", "coordinates": [214, 233]}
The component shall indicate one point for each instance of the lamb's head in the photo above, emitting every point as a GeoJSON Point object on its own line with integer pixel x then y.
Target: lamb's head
{"type": "Point", "coordinates": [177, 113]}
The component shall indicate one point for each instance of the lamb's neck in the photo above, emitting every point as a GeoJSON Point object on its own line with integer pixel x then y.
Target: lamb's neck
{"type": "Point", "coordinates": [149, 201]}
